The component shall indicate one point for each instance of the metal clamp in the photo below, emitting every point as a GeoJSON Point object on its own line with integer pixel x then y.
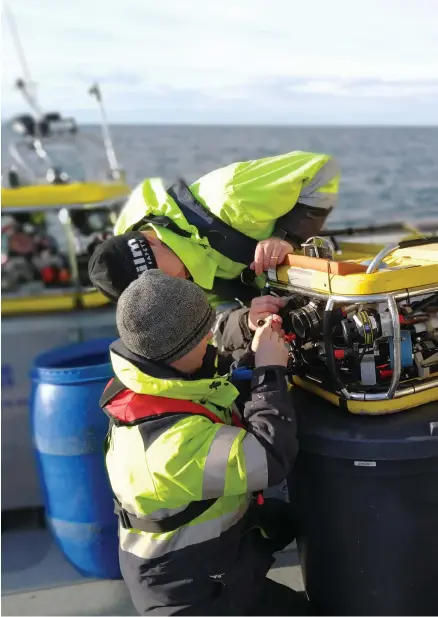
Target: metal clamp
{"type": "Point", "coordinates": [322, 247]}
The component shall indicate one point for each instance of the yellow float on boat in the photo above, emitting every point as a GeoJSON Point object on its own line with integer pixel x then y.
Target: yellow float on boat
{"type": "Point", "coordinates": [52, 196]}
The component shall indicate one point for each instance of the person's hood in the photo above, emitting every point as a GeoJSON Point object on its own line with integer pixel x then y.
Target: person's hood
{"type": "Point", "coordinates": [145, 377]}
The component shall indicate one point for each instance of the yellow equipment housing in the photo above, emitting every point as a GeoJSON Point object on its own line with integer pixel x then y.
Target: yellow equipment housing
{"type": "Point", "coordinates": [378, 304]}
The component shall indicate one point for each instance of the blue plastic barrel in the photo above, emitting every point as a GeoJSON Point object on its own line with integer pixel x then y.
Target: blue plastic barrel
{"type": "Point", "coordinates": [69, 430]}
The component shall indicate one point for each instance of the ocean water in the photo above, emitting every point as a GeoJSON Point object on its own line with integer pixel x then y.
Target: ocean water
{"type": "Point", "coordinates": [387, 173]}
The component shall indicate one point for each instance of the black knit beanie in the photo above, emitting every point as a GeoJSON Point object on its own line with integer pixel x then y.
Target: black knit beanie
{"type": "Point", "coordinates": [118, 261]}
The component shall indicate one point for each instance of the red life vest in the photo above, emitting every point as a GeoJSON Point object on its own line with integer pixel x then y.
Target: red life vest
{"type": "Point", "coordinates": [126, 408]}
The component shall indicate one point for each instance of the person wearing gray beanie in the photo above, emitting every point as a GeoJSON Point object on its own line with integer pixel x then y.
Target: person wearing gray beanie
{"type": "Point", "coordinates": [162, 318]}
{"type": "Point", "coordinates": [187, 472]}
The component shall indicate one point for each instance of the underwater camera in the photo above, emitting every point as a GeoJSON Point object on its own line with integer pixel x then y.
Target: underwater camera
{"type": "Point", "coordinates": [362, 334]}
{"type": "Point", "coordinates": [302, 318]}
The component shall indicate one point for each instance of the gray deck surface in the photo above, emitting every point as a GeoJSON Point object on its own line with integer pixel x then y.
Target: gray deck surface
{"type": "Point", "coordinates": [37, 580]}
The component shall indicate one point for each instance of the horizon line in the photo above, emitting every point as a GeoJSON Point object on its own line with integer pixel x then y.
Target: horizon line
{"type": "Point", "coordinates": [244, 124]}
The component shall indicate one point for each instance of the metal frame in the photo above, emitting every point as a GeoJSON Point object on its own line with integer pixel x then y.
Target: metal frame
{"type": "Point", "coordinates": [79, 141]}
{"type": "Point", "coordinates": [27, 87]}
{"type": "Point", "coordinates": [390, 298]}
{"type": "Point", "coordinates": [387, 250]}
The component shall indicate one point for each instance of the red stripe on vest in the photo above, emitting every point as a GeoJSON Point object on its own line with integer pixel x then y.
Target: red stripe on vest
{"type": "Point", "coordinates": [128, 406]}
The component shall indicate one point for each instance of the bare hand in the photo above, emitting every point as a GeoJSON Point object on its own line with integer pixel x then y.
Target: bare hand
{"type": "Point", "coordinates": [261, 308]}
{"type": "Point", "coordinates": [269, 346]}
{"type": "Point", "coordinates": [270, 253]}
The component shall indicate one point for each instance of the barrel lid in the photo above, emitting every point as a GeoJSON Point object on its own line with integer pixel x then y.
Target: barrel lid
{"type": "Point", "coordinates": [329, 431]}
{"type": "Point", "coordinates": [77, 363]}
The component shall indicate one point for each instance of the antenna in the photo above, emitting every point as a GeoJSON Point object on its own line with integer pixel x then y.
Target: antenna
{"type": "Point", "coordinates": [106, 135]}
{"type": "Point", "coordinates": [26, 85]}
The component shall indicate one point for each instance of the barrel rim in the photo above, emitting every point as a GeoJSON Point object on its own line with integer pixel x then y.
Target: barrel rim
{"type": "Point", "coordinates": [50, 363]}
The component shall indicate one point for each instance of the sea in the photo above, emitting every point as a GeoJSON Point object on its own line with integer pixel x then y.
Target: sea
{"type": "Point", "coordinates": [388, 173]}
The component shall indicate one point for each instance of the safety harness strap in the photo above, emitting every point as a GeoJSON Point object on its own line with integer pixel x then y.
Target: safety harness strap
{"type": "Point", "coordinates": [171, 523]}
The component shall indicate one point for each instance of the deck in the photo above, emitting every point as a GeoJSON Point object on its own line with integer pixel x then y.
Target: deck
{"type": "Point", "coordinates": [37, 580]}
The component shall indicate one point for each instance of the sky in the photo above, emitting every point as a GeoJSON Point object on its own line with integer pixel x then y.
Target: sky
{"type": "Point", "coordinates": [323, 62]}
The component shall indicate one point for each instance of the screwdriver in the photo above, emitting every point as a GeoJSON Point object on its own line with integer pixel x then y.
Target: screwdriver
{"type": "Point", "coordinates": [261, 322]}
{"type": "Point", "coordinates": [287, 337]}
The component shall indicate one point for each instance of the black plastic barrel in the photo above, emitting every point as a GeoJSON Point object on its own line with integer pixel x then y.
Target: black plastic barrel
{"type": "Point", "coordinates": [366, 494]}
{"type": "Point", "coordinates": [69, 430]}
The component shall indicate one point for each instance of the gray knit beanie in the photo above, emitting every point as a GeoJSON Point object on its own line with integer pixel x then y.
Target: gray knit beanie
{"type": "Point", "coordinates": [161, 317]}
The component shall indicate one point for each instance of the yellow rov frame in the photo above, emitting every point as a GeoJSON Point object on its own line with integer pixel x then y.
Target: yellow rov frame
{"type": "Point", "coordinates": [412, 272]}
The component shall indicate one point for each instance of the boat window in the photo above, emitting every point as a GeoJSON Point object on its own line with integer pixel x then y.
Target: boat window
{"type": "Point", "coordinates": [38, 249]}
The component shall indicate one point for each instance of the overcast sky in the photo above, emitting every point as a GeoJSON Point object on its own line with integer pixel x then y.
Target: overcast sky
{"type": "Point", "coordinates": [230, 61]}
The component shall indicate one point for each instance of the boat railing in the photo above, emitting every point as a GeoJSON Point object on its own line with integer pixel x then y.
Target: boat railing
{"type": "Point", "coordinates": [61, 158]}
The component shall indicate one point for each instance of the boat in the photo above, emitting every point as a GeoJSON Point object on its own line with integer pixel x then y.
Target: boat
{"type": "Point", "coordinates": [40, 312]}
{"type": "Point", "coordinates": [55, 210]}
{"type": "Point", "coordinates": [39, 581]}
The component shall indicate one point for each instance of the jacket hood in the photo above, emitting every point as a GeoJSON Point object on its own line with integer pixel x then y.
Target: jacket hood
{"type": "Point", "coordinates": [144, 377]}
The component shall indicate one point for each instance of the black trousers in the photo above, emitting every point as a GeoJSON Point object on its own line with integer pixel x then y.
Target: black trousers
{"type": "Point", "coordinates": [277, 599]}
{"type": "Point", "coordinates": [277, 519]}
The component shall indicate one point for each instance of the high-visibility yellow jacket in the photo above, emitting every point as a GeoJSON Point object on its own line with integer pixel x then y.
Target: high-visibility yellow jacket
{"type": "Point", "coordinates": [256, 198]}
{"type": "Point", "coordinates": [289, 195]}
{"type": "Point", "coordinates": [162, 457]}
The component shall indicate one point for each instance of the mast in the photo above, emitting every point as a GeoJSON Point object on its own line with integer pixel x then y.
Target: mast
{"type": "Point", "coordinates": [25, 85]}
{"type": "Point", "coordinates": [116, 173]}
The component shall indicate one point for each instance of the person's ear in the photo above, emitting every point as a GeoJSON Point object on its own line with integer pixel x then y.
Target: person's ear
{"type": "Point", "coordinates": [151, 237]}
